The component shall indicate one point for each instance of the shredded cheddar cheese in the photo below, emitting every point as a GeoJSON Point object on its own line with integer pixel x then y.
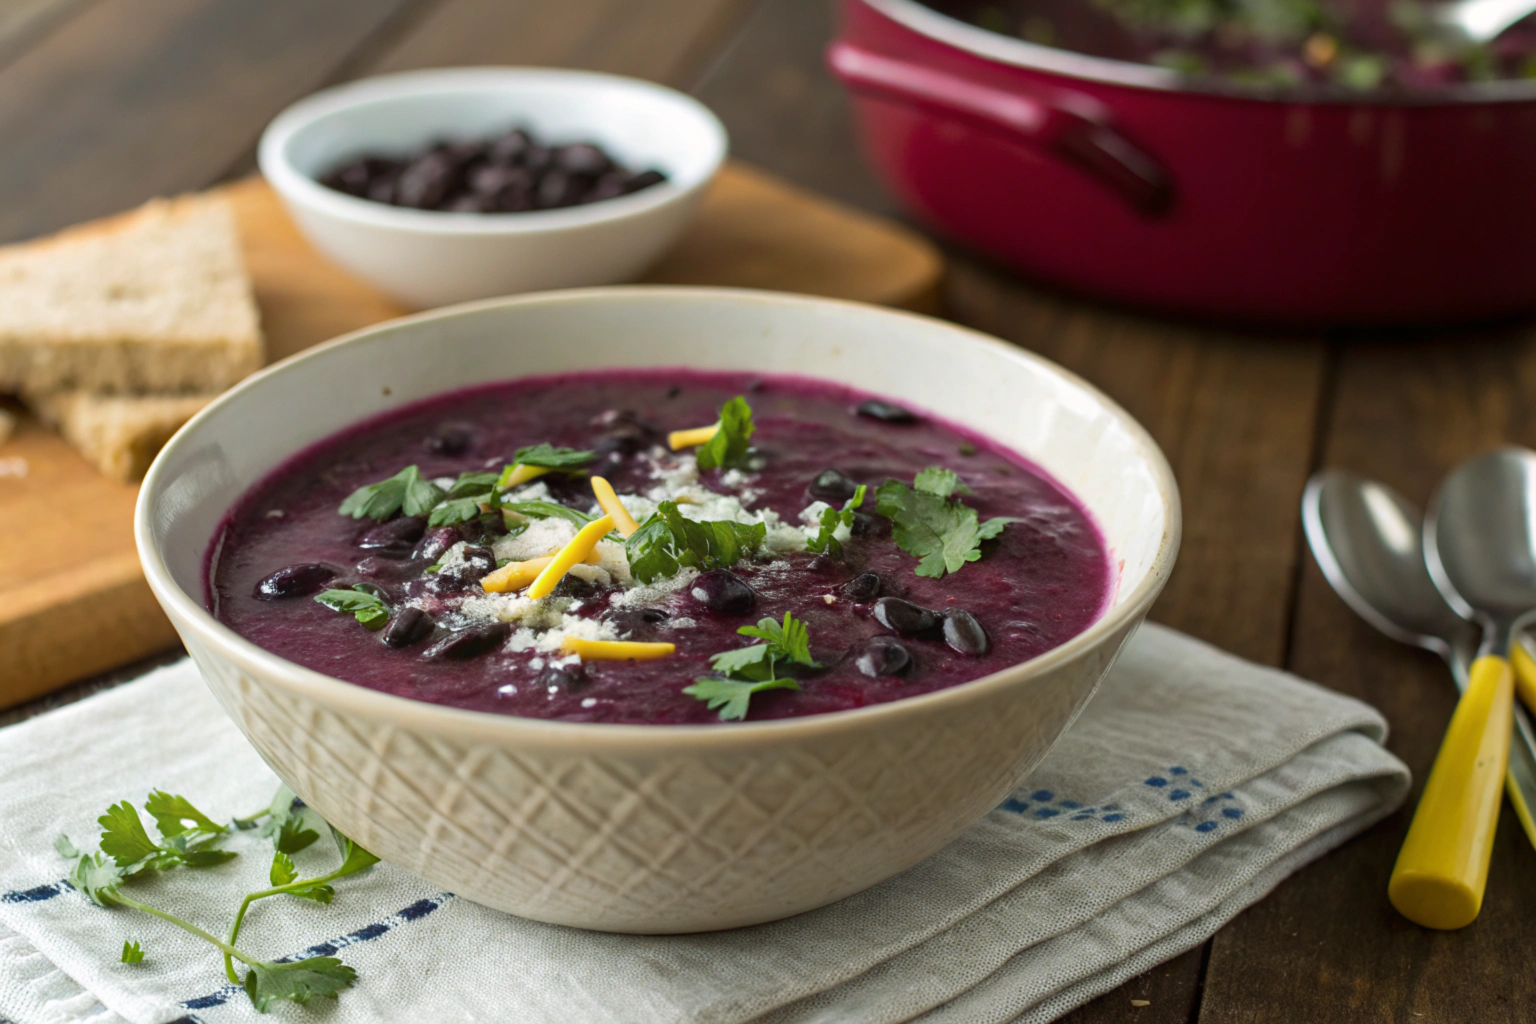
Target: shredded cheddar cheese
{"type": "Point", "coordinates": [615, 650]}
{"type": "Point", "coordinates": [679, 439]}
{"type": "Point", "coordinates": [521, 475]}
{"type": "Point", "coordinates": [609, 502]}
{"type": "Point", "coordinates": [514, 575]}
{"type": "Point", "coordinates": [577, 550]}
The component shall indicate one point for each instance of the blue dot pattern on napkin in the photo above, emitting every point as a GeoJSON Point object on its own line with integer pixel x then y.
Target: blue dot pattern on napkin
{"type": "Point", "coordinates": [1176, 784]}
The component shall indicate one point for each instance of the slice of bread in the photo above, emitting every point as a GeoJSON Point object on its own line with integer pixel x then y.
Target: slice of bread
{"type": "Point", "coordinates": [119, 434]}
{"type": "Point", "coordinates": [156, 300]}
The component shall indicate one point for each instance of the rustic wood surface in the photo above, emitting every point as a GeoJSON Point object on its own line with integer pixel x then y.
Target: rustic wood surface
{"type": "Point", "coordinates": [176, 101]}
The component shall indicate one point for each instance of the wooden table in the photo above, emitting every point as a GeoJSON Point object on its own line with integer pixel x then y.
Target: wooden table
{"type": "Point", "coordinates": [104, 103]}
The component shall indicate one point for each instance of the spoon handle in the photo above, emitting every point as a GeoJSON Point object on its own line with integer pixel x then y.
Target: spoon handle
{"type": "Point", "coordinates": [1442, 868]}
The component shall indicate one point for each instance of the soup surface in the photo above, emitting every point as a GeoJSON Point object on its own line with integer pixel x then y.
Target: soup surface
{"type": "Point", "coordinates": [1332, 44]}
{"type": "Point", "coordinates": [416, 581]}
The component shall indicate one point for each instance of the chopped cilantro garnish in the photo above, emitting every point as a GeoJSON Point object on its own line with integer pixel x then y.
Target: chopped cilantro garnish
{"type": "Point", "coordinates": [362, 600]}
{"type": "Point", "coordinates": [831, 519]}
{"type": "Point", "coordinates": [732, 696]}
{"type": "Point", "coordinates": [464, 499]}
{"type": "Point", "coordinates": [405, 491]}
{"type": "Point", "coordinates": [753, 669]}
{"type": "Point", "coordinates": [941, 531]}
{"type": "Point", "coordinates": [668, 541]}
{"type": "Point", "coordinates": [729, 445]}
{"type": "Point", "coordinates": [547, 510]}
{"type": "Point", "coordinates": [133, 953]}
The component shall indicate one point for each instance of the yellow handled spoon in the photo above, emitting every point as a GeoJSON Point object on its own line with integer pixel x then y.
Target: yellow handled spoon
{"type": "Point", "coordinates": [1478, 545]}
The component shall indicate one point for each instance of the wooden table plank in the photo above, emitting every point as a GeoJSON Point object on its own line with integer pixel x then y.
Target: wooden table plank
{"type": "Point", "coordinates": [1235, 413]}
{"type": "Point", "coordinates": [118, 104]}
{"type": "Point", "coordinates": [1327, 946]}
{"type": "Point", "coordinates": [663, 40]}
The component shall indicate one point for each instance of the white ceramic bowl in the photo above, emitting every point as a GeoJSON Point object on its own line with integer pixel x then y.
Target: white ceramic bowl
{"type": "Point", "coordinates": [426, 258]}
{"type": "Point", "coordinates": [657, 828]}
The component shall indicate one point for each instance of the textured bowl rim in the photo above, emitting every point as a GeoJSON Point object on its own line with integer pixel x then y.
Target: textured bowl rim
{"type": "Point", "coordinates": [272, 152]}
{"type": "Point", "coordinates": [373, 705]}
{"type": "Point", "coordinates": [995, 46]}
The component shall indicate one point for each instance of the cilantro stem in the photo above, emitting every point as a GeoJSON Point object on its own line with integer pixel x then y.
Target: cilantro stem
{"type": "Point", "coordinates": [186, 926]}
{"type": "Point", "coordinates": [245, 904]}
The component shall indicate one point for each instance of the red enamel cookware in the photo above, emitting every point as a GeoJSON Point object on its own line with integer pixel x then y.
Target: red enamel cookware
{"type": "Point", "coordinates": [1123, 181]}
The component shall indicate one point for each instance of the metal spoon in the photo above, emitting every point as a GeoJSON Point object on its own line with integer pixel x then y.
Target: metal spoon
{"type": "Point", "coordinates": [1368, 540]}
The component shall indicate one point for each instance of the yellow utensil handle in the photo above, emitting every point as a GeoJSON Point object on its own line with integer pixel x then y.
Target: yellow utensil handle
{"type": "Point", "coordinates": [1525, 673]}
{"type": "Point", "coordinates": [1443, 866]}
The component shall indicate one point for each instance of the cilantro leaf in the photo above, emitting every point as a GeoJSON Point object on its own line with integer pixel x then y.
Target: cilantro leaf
{"type": "Point", "coordinates": [65, 847]}
{"type": "Point", "coordinates": [668, 541]}
{"type": "Point", "coordinates": [464, 499]}
{"type": "Point", "coordinates": [297, 982]}
{"type": "Point", "coordinates": [286, 825]}
{"type": "Point", "coordinates": [405, 491]}
{"type": "Point", "coordinates": [731, 696]}
{"type": "Point", "coordinates": [791, 640]}
{"type": "Point", "coordinates": [831, 518]}
{"type": "Point", "coordinates": [123, 837]}
{"type": "Point", "coordinates": [98, 877]}
{"type": "Point", "coordinates": [282, 871]}
{"type": "Point", "coordinates": [353, 857]}
{"type": "Point", "coordinates": [940, 482]}
{"type": "Point", "coordinates": [754, 662]}
{"type": "Point", "coordinates": [728, 447]}
{"type": "Point", "coordinates": [206, 858]}
{"type": "Point", "coordinates": [133, 953]}
{"type": "Point", "coordinates": [547, 510]}
{"type": "Point", "coordinates": [943, 533]}
{"type": "Point", "coordinates": [366, 607]}
{"type": "Point", "coordinates": [548, 457]}
{"type": "Point", "coordinates": [172, 814]}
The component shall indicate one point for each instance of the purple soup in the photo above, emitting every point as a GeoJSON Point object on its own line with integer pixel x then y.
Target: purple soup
{"type": "Point", "coordinates": [907, 554]}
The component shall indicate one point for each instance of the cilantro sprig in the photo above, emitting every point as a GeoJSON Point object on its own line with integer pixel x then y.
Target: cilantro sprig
{"type": "Point", "coordinates": [929, 522]}
{"type": "Point", "coordinates": [831, 518]}
{"type": "Point", "coordinates": [547, 510]}
{"type": "Point", "coordinates": [465, 498]}
{"type": "Point", "coordinates": [405, 491]}
{"type": "Point", "coordinates": [753, 669]}
{"type": "Point", "coordinates": [729, 445]}
{"type": "Point", "coordinates": [668, 541]}
{"type": "Point", "coordinates": [188, 839]}
{"type": "Point", "coordinates": [543, 457]}
{"type": "Point", "coordinates": [364, 601]}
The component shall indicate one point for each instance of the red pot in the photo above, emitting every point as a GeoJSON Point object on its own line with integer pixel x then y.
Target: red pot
{"type": "Point", "coordinates": [1118, 180]}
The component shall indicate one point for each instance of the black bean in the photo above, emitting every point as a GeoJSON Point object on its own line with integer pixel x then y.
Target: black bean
{"type": "Point", "coordinates": [866, 525]}
{"type": "Point", "coordinates": [435, 542]}
{"type": "Point", "coordinates": [391, 568]}
{"type": "Point", "coordinates": [471, 642]}
{"type": "Point", "coordinates": [511, 147]}
{"type": "Point", "coordinates": [396, 535]}
{"type": "Point", "coordinates": [572, 585]}
{"type": "Point", "coordinates": [429, 180]}
{"type": "Point", "coordinates": [964, 633]}
{"type": "Point", "coordinates": [450, 439]}
{"type": "Point", "coordinates": [832, 487]}
{"type": "Point", "coordinates": [479, 559]}
{"type": "Point", "coordinates": [863, 587]}
{"type": "Point", "coordinates": [583, 159]}
{"type": "Point", "coordinates": [557, 189]}
{"type": "Point", "coordinates": [410, 626]}
{"type": "Point", "coordinates": [886, 412]}
{"type": "Point", "coordinates": [564, 677]}
{"type": "Point", "coordinates": [609, 186]}
{"type": "Point", "coordinates": [630, 621]}
{"type": "Point", "coordinates": [883, 656]}
{"type": "Point", "coordinates": [470, 202]}
{"type": "Point", "coordinates": [644, 180]}
{"type": "Point", "coordinates": [721, 590]}
{"type": "Point", "coordinates": [295, 581]}
{"type": "Point", "coordinates": [905, 617]}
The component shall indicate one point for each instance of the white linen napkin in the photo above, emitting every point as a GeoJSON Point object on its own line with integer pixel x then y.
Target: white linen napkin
{"type": "Point", "coordinates": [1189, 787]}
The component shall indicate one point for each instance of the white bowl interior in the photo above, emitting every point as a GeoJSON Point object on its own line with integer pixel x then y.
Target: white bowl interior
{"type": "Point", "coordinates": [640, 124]}
{"type": "Point", "coordinates": [1065, 426]}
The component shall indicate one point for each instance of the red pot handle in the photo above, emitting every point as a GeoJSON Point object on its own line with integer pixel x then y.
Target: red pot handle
{"type": "Point", "coordinates": [1071, 127]}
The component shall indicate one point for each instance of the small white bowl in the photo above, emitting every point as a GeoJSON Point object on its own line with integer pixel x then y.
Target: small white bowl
{"type": "Point", "coordinates": [656, 828]}
{"type": "Point", "coordinates": [427, 258]}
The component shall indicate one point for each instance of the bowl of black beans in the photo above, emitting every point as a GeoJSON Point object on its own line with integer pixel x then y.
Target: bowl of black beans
{"type": "Point", "coordinates": [450, 185]}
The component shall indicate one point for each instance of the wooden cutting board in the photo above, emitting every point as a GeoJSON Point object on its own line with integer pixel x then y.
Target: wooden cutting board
{"type": "Point", "coordinates": [72, 599]}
